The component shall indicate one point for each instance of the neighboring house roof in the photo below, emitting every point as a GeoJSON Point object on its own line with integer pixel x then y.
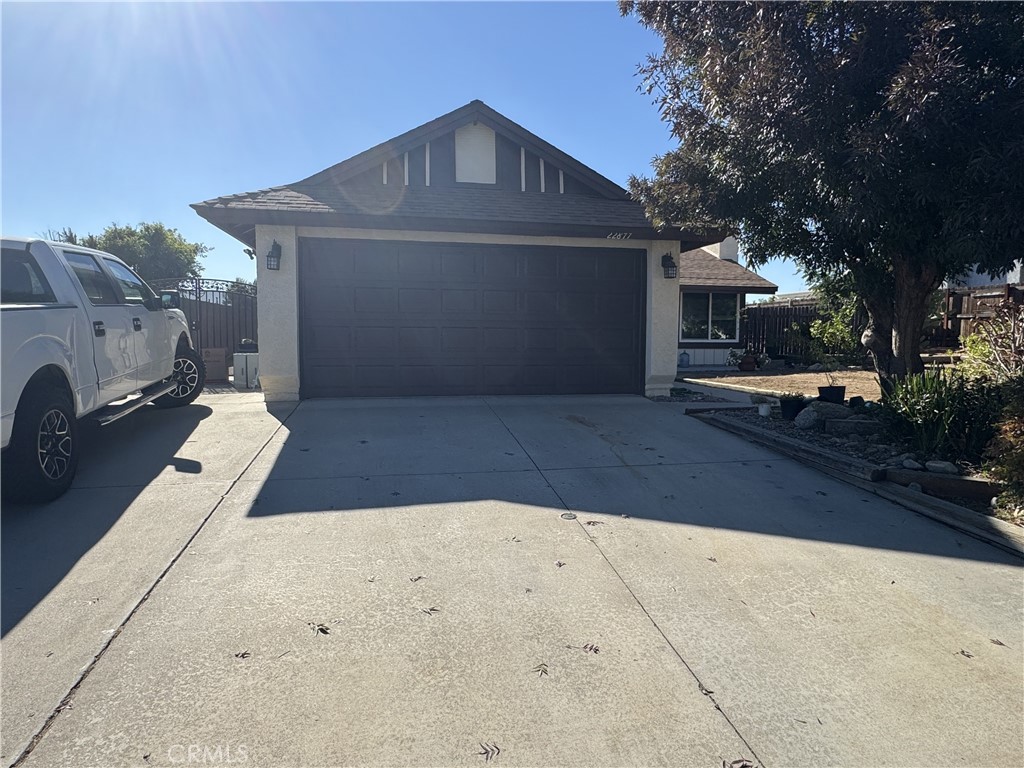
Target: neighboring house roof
{"type": "Point", "coordinates": [329, 198]}
{"type": "Point", "coordinates": [699, 269]}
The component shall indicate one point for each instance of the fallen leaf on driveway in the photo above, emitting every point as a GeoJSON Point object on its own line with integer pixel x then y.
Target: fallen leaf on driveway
{"type": "Point", "coordinates": [713, 559]}
{"type": "Point", "coordinates": [430, 611]}
{"type": "Point", "coordinates": [540, 669]}
{"type": "Point", "coordinates": [998, 642]}
{"type": "Point", "coordinates": [595, 522]}
{"type": "Point", "coordinates": [702, 689]}
{"type": "Point", "coordinates": [821, 493]}
{"type": "Point", "coordinates": [243, 655]}
{"type": "Point", "coordinates": [318, 629]}
{"type": "Point", "coordinates": [741, 763]}
{"type": "Point", "coordinates": [966, 654]}
{"type": "Point", "coordinates": [559, 563]}
{"type": "Point", "coordinates": [414, 579]}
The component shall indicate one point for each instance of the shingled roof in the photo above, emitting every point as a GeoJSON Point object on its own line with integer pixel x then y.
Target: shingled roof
{"type": "Point", "coordinates": [700, 269]}
{"type": "Point", "coordinates": [328, 199]}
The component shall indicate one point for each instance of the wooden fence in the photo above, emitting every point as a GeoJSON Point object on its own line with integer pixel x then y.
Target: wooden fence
{"type": "Point", "coordinates": [778, 330]}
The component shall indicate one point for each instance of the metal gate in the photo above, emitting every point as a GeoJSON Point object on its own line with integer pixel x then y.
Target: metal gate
{"type": "Point", "coordinates": [221, 313]}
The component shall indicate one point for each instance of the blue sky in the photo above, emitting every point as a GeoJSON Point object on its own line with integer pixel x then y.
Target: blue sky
{"type": "Point", "coordinates": [128, 112]}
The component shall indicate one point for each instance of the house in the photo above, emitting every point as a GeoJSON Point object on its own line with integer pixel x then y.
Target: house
{"type": "Point", "coordinates": [974, 279]}
{"type": "Point", "coordinates": [712, 293]}
{"type": "Point", "coordinates": [466, 256]}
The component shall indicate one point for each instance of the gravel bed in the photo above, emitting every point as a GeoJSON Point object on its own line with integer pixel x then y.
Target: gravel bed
{"type": "Point", "coordinates": [871, 448]}
{"type": "Point", "coordinates": [683, 395]}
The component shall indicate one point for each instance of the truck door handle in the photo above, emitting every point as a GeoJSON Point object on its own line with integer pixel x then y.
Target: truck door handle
{"type": "Point", "coordinates": [137, 323]}
{"type": "Point", "coordinates": [98, 329]}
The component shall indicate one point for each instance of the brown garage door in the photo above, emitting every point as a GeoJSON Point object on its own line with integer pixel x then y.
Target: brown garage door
{"type": "Point", "coordinates": [393, 318]}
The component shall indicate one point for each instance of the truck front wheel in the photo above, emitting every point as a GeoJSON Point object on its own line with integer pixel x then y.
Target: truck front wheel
{"type": "Point", "coordinates": [43, 455]}
{"type": "Point", "coordinates": [189, 377]}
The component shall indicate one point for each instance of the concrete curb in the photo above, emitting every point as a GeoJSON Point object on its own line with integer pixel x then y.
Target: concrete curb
{"type": "Point", "coordinates": [734, 387]}
{"type": "Point", "coordinates": [871, 478]}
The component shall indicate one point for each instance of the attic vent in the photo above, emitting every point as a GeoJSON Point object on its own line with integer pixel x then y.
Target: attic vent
{"type": "Point", "coordinates": [474, 154]}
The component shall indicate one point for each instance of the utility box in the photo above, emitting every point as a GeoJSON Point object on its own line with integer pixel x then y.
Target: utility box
{"type": "Point", "coordinates": [247, 369]}
{"type": "Point", "coordinates": [216, 360]}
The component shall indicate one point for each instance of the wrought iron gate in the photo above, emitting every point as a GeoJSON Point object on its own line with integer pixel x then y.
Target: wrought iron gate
{"type": "Point", "coordinates": [221, 313]}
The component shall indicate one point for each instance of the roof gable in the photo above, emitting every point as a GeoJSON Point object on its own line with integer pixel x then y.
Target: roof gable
{"type": "Point", "coordinates": [474, 112]}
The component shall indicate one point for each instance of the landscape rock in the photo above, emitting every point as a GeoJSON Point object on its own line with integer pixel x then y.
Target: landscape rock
{"type": "Point", "coordinates": [905, 456]}
{"type": "Point", "coordinates": [916, 487]}
{"type": "Point", "coordinates": [815, 368]}
{"type": "Point", "coordinates": [856, 401]}
{"type": "Point", "coordinates": [856, 425]}
{"type": "Point", "coordinates": [818, 412]}
{"type": "Point", "coordinates": [911, 464]}
{"type": "Point", "coordinates": [942, 467]}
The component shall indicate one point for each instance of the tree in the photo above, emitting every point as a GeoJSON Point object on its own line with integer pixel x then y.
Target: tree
{"type": "Point", "coordinates": [151, 249]}
{"type": "Point", "coordinates": [878, 140]}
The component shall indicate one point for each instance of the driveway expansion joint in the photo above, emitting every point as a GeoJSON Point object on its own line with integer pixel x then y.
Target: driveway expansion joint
{"type": "Point", "coordinates": [67, 701]}
{"type": "Point", "coordinates": [589, 537]}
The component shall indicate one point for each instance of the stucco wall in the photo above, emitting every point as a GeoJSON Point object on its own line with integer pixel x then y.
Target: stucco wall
{"type": "Point", "coordinates": [278, 309]}
{"type": "Point", "coordinates": [278, 314]}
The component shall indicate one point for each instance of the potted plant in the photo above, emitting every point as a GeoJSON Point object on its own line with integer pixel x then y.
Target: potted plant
{"type": "Point", "coordinates": [790, 404]}
{"type": "Point", "coordinates": [744, 359]}
{"type": "Point", "coordinates": [834, 392]}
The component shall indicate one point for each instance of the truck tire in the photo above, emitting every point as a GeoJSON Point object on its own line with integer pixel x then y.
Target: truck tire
{"type": "Point", "coordinates": [42, 458]}
{"type": "Point", "coordinates": [190, 377]}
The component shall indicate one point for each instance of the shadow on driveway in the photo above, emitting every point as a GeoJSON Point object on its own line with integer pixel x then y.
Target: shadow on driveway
{"type": "Point", "coordinates": [600, 455]}
{"type": "Point", "coordinates": [42, 543]}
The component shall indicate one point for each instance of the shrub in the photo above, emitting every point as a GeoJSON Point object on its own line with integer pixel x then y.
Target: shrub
{"type": "Point", "coordinates": [996, 349]}
{"type": "Point", "coordinates": [1006, 451]}
{"type": "Point", "coordinates": [944, 414]}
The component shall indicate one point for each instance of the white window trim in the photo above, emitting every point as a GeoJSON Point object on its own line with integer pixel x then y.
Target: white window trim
{"type": "Point", "coordinates": [736, 337]}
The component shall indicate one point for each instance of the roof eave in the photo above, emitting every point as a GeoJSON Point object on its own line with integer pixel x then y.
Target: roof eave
{"type": "Point", "coordinates": [241, 223]}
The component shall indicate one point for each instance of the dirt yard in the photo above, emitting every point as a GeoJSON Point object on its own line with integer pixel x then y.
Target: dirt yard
{"type": "Point", "coordinates": [862, 383]}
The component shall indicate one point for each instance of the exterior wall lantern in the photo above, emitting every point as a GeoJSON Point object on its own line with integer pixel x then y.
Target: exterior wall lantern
{"type": "Point", "coordinates": [669, 265]}
{"type": "Point", "coordinates": [274, 256]}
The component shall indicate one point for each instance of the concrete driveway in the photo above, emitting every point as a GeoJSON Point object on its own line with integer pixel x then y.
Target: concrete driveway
{"type": "Point", "coordinates": [394, 583]}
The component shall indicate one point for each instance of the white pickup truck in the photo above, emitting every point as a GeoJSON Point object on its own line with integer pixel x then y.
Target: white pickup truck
{"type": "Point", "coordinates": [83, 335]}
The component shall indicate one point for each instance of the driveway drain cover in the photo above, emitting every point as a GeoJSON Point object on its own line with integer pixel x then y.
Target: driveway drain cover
{"type": "Point", "coordinates": [568, 516]}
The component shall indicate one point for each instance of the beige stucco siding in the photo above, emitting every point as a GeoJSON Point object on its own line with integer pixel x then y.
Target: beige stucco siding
{"type": "Point", "coordinates": [278, 309]}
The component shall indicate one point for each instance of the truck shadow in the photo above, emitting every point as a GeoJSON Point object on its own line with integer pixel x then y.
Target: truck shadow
{"type": "Point", "coordinates": [42, 543]}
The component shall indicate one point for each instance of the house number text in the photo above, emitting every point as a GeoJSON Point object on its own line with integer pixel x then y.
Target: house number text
{"type": "Point", "coordinates": [619, 236]}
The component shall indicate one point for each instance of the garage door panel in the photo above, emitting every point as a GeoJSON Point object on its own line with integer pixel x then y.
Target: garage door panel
{"type": "Point", "coordinates": [453, 300]}
{"type": "Point", "coordinates": [460, 340]}
{"type": "Point", "coordinates": [500, 266]}
{"type": "Point", "coordinates": [375, 300]}
{"type": "Point", "coordinates": [375, 261]}
{"type": "Point", "coordinates": [543, 264]}
{"type": "Point", "coordinates": [500, 340]}
{"type": "Point", "coordinates": [458, 264]}
{"type": "Point", "coordinates": [541, 304]}
{"type": "Point", "coordinates": [499, 302]}
{"type": "Point", "coordinates": [419, 341]}
{"type": "Point", "coordinates": [419, 263]}
{"type": "Point", "coordinates": [389, 318]}
{"type": "Point", "coordinates": [370, 342]}
{"type": "Point", "coordinates": [418, 301]}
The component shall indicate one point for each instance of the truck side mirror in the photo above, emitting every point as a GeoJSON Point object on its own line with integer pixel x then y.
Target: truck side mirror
{"type": "Point", "coordinates": [170, 300]}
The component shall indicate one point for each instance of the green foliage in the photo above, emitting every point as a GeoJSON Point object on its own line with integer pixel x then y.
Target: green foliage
{"type": "Point", "coordinates": [996, 349]}
{"type": "Point", "coordinates": [878, 140]}
{"type": "Point", "coordinates": [1006, 451]}
{"type": "Point", "coordinates": [944, 414]}
{"type": "Point", "coordinates": [975, 357]}
{"type": "Point", "coordinates": [151, 249]}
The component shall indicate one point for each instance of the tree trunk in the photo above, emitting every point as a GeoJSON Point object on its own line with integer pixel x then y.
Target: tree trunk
{"type": "Point", "coordinates": [897, 309]}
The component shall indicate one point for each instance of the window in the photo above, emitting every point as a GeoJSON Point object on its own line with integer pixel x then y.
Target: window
{"type": "Point", "coordinates": [21, 280]}
{"type": "Point", "coordinates": [475, 159]}
{"type": "Point", "coordinates": [96, 284]}
{"type": "Point", "coordinates": [135, 291]}
{"type": "Point", "coordinates": [709, 316]}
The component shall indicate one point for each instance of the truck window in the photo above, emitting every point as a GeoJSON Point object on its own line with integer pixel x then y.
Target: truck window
{"type": "Point", "coordinates": [21, 279]}
{"type": "Point", "coordinates": [96, 284]}
{"type": "Point", "coordinates": [135, 291]}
